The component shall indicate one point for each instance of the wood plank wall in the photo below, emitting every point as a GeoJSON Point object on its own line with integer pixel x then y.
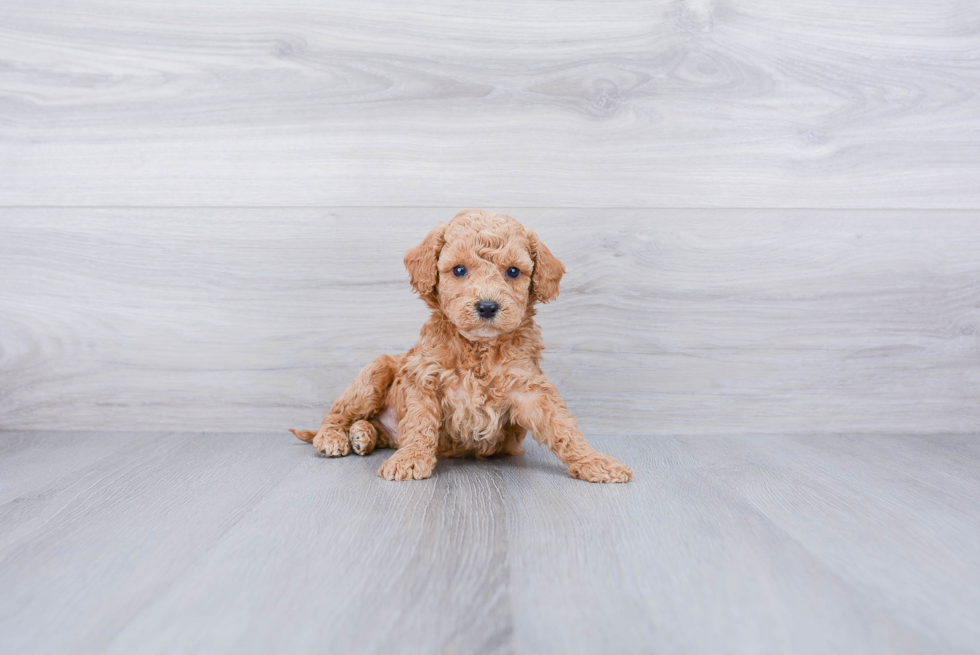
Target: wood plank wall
{"type": "Point", "coordinates": [769, 209]}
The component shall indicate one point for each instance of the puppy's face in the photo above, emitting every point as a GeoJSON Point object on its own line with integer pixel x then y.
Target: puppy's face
{"type": "Point", "coordinates": [483, 271]}
{"type": "Point", "coordinates": [484, 279]}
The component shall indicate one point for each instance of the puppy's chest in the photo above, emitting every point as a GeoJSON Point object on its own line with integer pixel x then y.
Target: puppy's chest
{"type": "Point", "coordinates": [475, 404]}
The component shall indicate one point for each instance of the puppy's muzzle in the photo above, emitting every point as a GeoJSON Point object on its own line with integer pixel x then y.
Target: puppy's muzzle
{"type": "Point", "coordinates": [487, 309]}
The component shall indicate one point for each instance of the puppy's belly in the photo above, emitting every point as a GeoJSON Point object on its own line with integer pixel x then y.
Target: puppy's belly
{"type": "Point", "coordinates": [466, 437]}
{"type": "Point", "coordinates": [389, 419]}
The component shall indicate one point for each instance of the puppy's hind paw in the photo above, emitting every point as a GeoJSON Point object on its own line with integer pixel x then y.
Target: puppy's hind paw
{"type": "Point", "coordinates": [406, 465]}
{"type": "Point", "coordinates": [331, 443]}
{"type": "Point", "coordinates": [363, 437]}
{"type": "Point", "coordinates": [600, 468]}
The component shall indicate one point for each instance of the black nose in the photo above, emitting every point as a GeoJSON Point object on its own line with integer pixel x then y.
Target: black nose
{"type": "Point", "coordinates": [487, 308]}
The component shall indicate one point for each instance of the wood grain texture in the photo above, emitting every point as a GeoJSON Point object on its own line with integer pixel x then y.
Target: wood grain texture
{"type": "Point", "coordinates": [336, 556]}
{"type": "Point", "coordinates": [691, 103]}
{"type": "Point", "coordinates": [676, 321]}
{"type": "Point", "coordinates": [675, 564]}
{"type": "Point", "coordinates": [248, 543]}
{"type": "Point", "coordinates": [920, 488]}
{"type": "Point", "coordinates": [82, 554]}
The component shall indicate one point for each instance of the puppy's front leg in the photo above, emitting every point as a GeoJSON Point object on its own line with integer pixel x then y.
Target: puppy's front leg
{"type": "Point", "coordinates": [541, 410]}
{"type": "Point", "coordinates": [418, 436]}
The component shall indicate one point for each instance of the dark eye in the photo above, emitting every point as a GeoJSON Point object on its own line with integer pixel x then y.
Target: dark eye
{"type": "Point", "coordinates": [513, 271]}
{"type": "Point", "coordinates": [459, 271]}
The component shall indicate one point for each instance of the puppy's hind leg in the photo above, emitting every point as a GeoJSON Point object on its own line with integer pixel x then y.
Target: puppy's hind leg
{"type": "Point", "coordinates": [362, 399]}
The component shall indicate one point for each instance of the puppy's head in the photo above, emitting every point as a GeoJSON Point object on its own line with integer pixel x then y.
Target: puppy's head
{"type": "Point", "coordinates": [483, 271]}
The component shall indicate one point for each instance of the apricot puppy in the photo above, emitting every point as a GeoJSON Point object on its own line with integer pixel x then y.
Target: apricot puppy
{"type": "Point", "coordinates": [472, 385]}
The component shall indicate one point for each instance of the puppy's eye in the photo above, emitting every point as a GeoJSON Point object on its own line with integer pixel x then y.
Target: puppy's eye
{"type": "Point", "coordinates": [459, 271]}
{"type": "Point", "coordinates": [513, 271]}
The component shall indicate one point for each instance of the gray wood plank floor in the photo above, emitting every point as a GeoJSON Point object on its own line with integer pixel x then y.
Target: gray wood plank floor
{"type": "Point", "coordinates": [610, 103]}
{"type": "Point", "coordinates": [248, 543]}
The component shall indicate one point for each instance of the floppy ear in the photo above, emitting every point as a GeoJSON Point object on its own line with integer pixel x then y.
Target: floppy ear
{"type": "Point", "coordinates": [547, 271]}
{"type": "Point", "coordinates": [422, 263]}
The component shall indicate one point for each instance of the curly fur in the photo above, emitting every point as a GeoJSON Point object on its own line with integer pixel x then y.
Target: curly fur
{"type": "Point", "coordinates": [470, 386]}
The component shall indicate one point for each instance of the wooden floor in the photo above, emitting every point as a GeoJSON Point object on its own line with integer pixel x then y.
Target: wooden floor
{"type": "Point", "coordinates": [119, 542]}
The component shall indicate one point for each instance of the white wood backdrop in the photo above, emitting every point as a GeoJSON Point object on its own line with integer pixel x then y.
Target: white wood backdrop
{"type": "Point", "coordinates": [770, 209]}
{"type": "Point", "coordinates": [684, 103]}
{"type": "Point", "coordinates": [669, 320]}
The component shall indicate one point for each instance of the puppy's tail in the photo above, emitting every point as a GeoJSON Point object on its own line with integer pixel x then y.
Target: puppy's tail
{"type": "Point", "coordinates": [304, 435]}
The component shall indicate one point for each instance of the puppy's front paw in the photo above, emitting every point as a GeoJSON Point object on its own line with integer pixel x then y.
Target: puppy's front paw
{"type": "Point", "coordinates": [407, 465]}
{"type": "Point", "coordinates": [600, 468]}
{"type": "Point", "coordinates": [331, 443]}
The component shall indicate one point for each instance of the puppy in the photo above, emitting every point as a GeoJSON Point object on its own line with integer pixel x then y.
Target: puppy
{"type": "Point", "coordinates": [472, 385]}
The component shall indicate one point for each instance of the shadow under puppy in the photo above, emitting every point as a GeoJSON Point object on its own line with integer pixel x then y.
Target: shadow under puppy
{"type": "Point", "coordinates": [472, 385]}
